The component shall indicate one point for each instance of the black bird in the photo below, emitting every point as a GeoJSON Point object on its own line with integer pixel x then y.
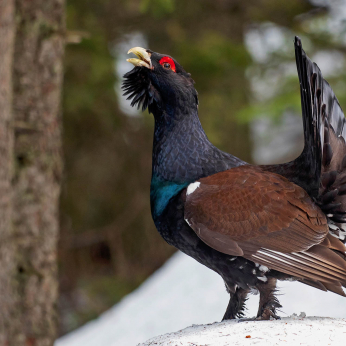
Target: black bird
{"type": "Point", "coordinates": [253, 225]}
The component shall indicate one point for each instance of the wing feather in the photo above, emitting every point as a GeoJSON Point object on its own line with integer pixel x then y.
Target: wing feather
{"type": "Point", "coordinates": [263, 217]}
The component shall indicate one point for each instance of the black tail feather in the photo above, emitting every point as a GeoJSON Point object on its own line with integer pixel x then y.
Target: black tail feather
{"type": "Point", "coordinates": [324, 154]}
{"type": "Point", "coordinates": [311, 83]}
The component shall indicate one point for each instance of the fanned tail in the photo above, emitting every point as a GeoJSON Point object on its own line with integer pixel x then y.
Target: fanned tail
{"type": "Point", "coordinates": [321, 171]}
{"type": "Point", "coordinates": [310, 80]}
{"type": "Point", "coordinates": [324, 156]}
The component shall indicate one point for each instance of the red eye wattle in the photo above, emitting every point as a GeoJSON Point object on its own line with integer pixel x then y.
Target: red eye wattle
{"type": "Point", "coordinates": [167, 63]}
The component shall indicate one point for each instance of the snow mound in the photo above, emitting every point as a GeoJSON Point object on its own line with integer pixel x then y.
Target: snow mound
{"type": "Point", "coordinates": [181, 293]}
{"type": "Point", "coordinates": [294, 330]}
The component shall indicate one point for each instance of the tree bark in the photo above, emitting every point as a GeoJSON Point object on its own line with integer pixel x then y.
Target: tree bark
{"type": "Point", "coordinates": [37, 80]}
{"type": "Point", "coordinates": [7, 250]}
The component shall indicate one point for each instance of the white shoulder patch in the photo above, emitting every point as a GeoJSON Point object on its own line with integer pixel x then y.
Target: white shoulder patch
{"type": "Point", "coordinates": [192, 187]}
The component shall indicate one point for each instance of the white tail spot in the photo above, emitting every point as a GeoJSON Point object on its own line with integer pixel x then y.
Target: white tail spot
{"type": "Point", "coordinates": [263, 268]}
{"type": "Point", "coordinates": [192, 187]}
{"type": "Point", "coordinates": [262, 278]}
{"type": "Point", "coordinates": [334, 227]}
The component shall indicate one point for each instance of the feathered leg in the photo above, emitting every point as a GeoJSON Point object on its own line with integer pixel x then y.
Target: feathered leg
{"type": "Point", "coordinates": [268, 302]}
{"type": "Point", "coordinates": [236, 305]}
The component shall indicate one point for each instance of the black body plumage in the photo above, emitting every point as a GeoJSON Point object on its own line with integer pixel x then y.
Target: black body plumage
{"type": "Point", "coordinates": [182, 154]}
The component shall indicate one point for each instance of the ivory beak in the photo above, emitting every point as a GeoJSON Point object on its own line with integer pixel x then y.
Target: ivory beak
{"type": "Point", "coordinates": [143, 55]}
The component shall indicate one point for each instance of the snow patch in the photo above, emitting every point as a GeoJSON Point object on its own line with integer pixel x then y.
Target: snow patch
{"type": "Point", "coordinates": [192, 187]}
{"type": "Point", "coordinates": [169, 300]}
{"type": "Point", "coordinates": [294, 330]}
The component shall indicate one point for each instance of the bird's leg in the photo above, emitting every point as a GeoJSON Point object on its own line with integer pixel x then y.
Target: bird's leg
{"type": "Point", "coordinates": [268, 302]}
{"type": "Point", "coordinates": [236, 305]}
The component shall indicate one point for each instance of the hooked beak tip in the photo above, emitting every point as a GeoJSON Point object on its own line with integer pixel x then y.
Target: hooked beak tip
{"type": "Point", "coordinates": [143, 55]}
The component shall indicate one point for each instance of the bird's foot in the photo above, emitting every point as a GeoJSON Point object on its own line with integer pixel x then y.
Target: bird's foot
{"type": "Point", "coordinates": [266, 315]}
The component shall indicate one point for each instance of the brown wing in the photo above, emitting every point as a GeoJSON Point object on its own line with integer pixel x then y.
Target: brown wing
{"type": "Point", "coordinates": [262, 216]}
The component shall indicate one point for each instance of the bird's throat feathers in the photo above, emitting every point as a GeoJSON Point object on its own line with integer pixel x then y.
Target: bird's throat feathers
{"type": "Point", "coordinates": [179, 146]}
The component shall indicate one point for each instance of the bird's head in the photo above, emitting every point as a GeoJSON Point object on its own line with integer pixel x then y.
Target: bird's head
{"type": "Point", "coordinates": [158, 81]}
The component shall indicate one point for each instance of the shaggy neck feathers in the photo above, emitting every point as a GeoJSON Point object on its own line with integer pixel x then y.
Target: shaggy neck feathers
{"type": "Point", "coordinates": [180, 144]}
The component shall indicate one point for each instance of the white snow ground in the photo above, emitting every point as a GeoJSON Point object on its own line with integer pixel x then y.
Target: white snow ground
{"type": "Point", "coordinates": [310, 331]}
{"type": "Point", "coordinates": [183, 292]}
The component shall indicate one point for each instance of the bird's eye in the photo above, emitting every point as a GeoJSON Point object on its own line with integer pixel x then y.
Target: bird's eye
{"type": "Point", "coordinates": [167, 63]}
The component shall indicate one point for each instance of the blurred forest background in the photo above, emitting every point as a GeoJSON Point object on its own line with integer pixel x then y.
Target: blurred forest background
{"type": "Point", "coordinates": [241, 56]}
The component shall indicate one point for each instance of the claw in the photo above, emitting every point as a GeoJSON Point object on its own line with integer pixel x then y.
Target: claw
{"type": "Point", "coordinates": [267, 315]}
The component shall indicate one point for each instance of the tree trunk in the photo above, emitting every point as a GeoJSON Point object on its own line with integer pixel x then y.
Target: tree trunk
{"type": "Point", "coordinates": [37, 80]}
{"type": "Point", "coordinates": [7, 252]}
